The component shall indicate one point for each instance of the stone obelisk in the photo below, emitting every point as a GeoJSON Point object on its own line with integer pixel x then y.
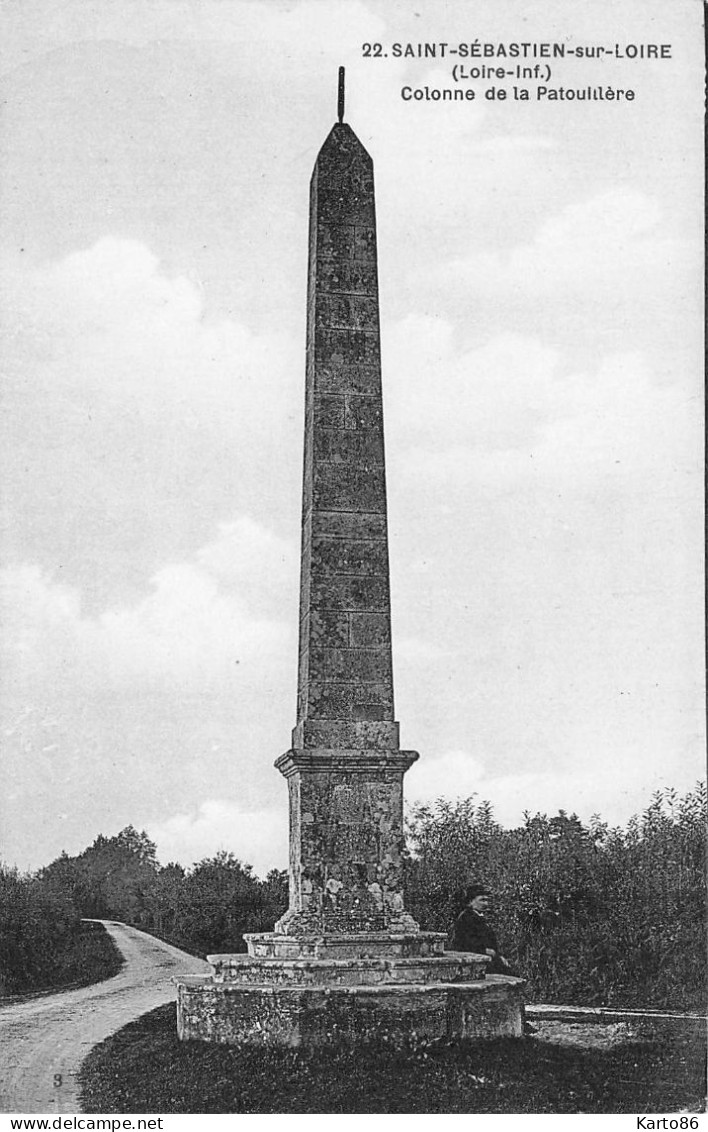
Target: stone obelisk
{"type": "Point", "coordinates": [346, 961]}
{"type": "Point", "coordinates": [345, 769]}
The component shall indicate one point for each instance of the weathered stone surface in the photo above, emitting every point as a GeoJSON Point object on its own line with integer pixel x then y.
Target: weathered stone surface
{"type": "Point", "coordinates": [335, 376]}
{"type": "Point", "coordinates": [346, 962]}
{"type": "Point", "coordinates": [336, 556]}
{"type": "Point", "coordinates": [329, 410]}
{"type": "Point", "coordinates": [345, 770]}
{"type": "Point", "coordinates": [347, 311]}
{"type": "Point", "coordinates": [345, 242]}
{"type": "Point", "coordinates": [318, 1016]}
{"type": "Point", "coordinates": [348, 446]}
{"type": "Point", "coordinates": [351, 665]}
{"type": "Point", "coordinates": [346, 846]}
{"type": "Point", "coordinates": [347, 524]}
{"type": "Point", "coordinates": [346, 487]}
{"type": "Point", "coordinates": [352, 972]}
{"type": "Point", "coordinates": [368, 629]}
{"type": "Point", "coordinates": [349, 945]}
{"type": "Point", "coordinates": [362, 412]}
{"type": "Point", "coordinates": [349, 593]}
{"type": "Point", "coordinates": [345, 350]}
{"type": "Point", "coordinates": [348, 276]}
{"type": "Point", "coordinates": [347, 700]}
{"type": "Point", "coordinates": [346, 734]}
{"type": "Point", "coordinates": [328, 626]}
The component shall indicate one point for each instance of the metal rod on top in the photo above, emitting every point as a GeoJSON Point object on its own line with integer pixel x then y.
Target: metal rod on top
{"type": "Point", "coordinates": [340, 96]}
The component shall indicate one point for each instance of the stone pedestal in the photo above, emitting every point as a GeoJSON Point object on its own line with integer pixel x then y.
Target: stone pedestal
{"type": "Point", "coordinates": [346, 961]}
{"type": "Point", "coordinates": [346, 841]}
{"type": "Point", "coordinates": [317, 1014]}
{"type": "Point", "coordinates": [347, 987]}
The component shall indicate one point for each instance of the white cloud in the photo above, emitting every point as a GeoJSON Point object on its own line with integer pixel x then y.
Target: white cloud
{"type": "Point", "coordinates": [202, 618]}
{"type": "Point", "coordinates": [512, 412]}
{"type": "Point", "coordinates": [284, 30]}
{"type": "Point", "coordinates": [111, 327]}
{"type": "Point", "coordinates": [134, 424]}
{"type": "Point", "coordinates": [610, 247]}
{"type": "Point", "coordinates": [115, 717]}
{"type": "Point", "coordinates": [253, 558]}
{"type": "Point", "coordinates": [546, 538]}
{"type": "Point", "coordinates": [453, 774]}
{"type": "Point", "coordinates": [256, 837]}
{"type": "Point", "coordinates": [603, 787]}
{"type": "Point", "coordinates": [491, 396]}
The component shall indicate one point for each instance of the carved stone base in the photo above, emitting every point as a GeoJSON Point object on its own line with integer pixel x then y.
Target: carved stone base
{"type": "Point", "coordinates": [320, 1002]}
{"type": "Point", "coordinates": [454, 967]}
{"type": "Point", "coordinates": [344, 945]}
{"type": "Point", "coordinates": [347, 842]}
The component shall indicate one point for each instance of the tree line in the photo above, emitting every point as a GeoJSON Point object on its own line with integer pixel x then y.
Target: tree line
{"type": "Point", "coordinates": [587, 913]}
{"type": "Point", "coordinates": [44, 943]}
{"type": "Point", "coordinates": [204, 909]}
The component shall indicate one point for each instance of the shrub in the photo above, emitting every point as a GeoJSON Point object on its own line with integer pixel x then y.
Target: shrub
{"type": "Point", "coordinates": [588, 914]}
{"type": "Point", "coordinates": [43, 942]}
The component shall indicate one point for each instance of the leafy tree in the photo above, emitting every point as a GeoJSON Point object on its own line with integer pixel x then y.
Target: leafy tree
{"type": "Point", "coordinates": [117, 874]}
{"type": "Point", "coordinates": [587, 913]}
{"type": "Point", "coordinates": [164, 900]}
{"type": "Point", "coordinates": [274, 896]}
{"type": "Point", "coordinates": [37, 927]}
{"type": "Point", "coordinates": [221, 901]}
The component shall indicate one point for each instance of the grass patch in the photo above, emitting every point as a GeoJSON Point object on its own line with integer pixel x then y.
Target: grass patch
{"type": "Point", "coordinates": [648, 1068]}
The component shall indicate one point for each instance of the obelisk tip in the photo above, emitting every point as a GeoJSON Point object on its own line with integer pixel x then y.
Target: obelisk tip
{"type": "Point", "coordinates": [340, 97]}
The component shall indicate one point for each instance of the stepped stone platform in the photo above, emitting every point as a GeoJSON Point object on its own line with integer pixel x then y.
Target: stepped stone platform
{"type": "Point", "coordinates": [347, 987]}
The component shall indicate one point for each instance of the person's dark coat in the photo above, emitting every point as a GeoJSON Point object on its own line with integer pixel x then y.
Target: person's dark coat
{"type": "Point", "coordinates": [472, 932]}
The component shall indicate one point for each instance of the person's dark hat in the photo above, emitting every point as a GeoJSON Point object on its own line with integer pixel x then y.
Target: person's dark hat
{"type": "Point", "coordinates": [474, 890]}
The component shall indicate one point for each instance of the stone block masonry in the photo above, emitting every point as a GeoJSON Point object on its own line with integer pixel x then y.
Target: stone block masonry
{"type": "Point", "coordinates": [345, 769]}
{"type": "Point", "coordinates": [345, 672]}
{"type": "Point", "coordinates": [346, 961]}
{"type": "Point", "coordinates": [346, 839]}
{"type": "Point", "coordinates": [319, 1015]}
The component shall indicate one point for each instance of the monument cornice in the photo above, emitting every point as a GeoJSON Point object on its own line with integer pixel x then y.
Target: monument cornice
{"type": "Point", "coordinates": [349, 761]}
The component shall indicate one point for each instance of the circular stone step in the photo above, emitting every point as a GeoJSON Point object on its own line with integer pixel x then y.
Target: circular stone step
{"type": "Point", "coordinates": [455, 967]}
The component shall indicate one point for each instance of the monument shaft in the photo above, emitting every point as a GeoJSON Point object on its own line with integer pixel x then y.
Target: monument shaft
{"type": "Point", "coordinates": [345, 768]}
{"type": "Point", "coordinates": [346, 962]}
{"type": "Point", "coordinates": [345, 679]}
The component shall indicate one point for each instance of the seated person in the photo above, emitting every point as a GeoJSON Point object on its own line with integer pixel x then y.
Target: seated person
{"type": "Point", "coordinates": [472, 932]}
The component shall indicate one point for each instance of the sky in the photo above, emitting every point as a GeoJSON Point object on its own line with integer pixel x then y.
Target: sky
{"type": "Point", "coordinates": [541, 306]}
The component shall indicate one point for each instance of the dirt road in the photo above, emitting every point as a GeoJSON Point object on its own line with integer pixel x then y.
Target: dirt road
{"type": "Point", "coordinates": [44, 1040]}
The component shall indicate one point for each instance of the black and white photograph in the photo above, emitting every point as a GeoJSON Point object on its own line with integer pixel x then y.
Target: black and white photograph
{"type": "Point", "coordinates": [352, 682]}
